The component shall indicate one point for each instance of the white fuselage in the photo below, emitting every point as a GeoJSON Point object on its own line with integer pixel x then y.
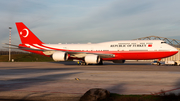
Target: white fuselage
{"type": "Point", "coordinates": [134, 45]}
{"type": "Point", "coordinates": [126, 50]}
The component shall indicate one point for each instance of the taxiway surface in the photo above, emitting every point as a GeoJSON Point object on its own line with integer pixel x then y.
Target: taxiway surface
{"type": "Point", "coordinates": [58, 80]}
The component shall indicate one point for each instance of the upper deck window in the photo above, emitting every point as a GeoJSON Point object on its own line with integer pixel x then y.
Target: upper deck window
{"type": "Point", "coordinates": [123, 43]}
{"type": "Point", "coordinates": [163, 42]}
{"type": "Point", "coordinates": [149, 43]}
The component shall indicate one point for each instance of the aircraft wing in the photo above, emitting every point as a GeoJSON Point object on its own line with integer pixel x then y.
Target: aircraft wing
{"type": "Point", "coordinates": [21, 47]}
{"type": "Point", "coordinates": [83, 54]}
{"type": "Point", "coordinates": [106, 55]}
{"type": "Point", "coordinates": [79, 54]}
{"type": "Point", "coordinates": [72, 53]}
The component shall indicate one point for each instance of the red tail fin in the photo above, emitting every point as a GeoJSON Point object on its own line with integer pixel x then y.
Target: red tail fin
{"type": "Point", "coordinates": [27, 37]}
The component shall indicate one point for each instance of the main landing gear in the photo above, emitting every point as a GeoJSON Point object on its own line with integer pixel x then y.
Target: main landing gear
{"type": "Point", "coordinates": [82, 63]}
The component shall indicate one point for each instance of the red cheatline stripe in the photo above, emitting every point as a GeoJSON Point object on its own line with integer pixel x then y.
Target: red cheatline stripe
{"type": "Point", "coordinates": [29, 45]}
{"type": "Point", "coordinates": [51, 47]}
{"type": "Point", "coordinates": [41, 47]}
{"type": "Point", "coordinates": [36, 46]}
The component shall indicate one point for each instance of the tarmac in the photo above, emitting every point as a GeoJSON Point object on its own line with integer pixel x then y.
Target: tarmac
{"type": "Point", "coordinates": [67, 81]}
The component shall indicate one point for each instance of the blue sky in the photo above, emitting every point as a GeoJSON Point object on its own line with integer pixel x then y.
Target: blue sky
{"type": "Point", "coordinates": [82, 21]}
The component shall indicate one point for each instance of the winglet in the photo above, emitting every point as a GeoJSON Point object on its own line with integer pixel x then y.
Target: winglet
{"type": "Point", "coordinates": [26, 36]}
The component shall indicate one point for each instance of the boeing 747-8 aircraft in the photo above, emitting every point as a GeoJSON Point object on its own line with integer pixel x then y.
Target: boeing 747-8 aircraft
{"type": "Point", "coordinates": [96, 53]}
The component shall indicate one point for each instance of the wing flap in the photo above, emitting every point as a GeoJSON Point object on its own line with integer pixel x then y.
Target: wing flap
{"type": "Point", "coordinates": [81, 55]}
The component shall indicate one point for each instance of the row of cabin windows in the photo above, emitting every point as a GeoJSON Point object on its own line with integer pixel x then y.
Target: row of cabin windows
{"type": "Point", "coordinates": [97, 50]}
{"type": "Point", "coordinates": [140, 43]}
{"type": "Point", "coordinates": [90, 50]}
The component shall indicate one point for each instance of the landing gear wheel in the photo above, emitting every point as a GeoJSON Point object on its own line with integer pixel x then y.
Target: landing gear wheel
{"type": "Point", "coordinates": [83, 63]}
{"type": "Point", "coordinates": [158, 64]}
{"type": "Point", "coordinates": [175, 64]}
{"type": "Point", "coordinates": [100, 63]}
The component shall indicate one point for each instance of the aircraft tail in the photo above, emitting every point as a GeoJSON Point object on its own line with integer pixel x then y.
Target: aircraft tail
{"type": "Point", "coordinates": [26, 36]}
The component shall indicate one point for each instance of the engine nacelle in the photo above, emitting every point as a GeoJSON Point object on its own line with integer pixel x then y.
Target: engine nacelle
{"type": "Point", "coordinates": [118, 61]}
{"type": "Point", "coordinates": [60, 56]}
{"type": "Point", "coordinates": [92, 59]}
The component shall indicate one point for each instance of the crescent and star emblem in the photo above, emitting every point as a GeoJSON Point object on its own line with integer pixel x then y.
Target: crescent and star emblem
{"type": "Point", "coordinates": [27, 32]}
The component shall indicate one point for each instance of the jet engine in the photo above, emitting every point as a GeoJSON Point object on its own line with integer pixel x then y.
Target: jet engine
{"type": "Point", "coordinates": [92, 59]}
{"type": "Point", "coordinates": [118, 61]}
{"type": "Point", "coordinates": [60, 56]}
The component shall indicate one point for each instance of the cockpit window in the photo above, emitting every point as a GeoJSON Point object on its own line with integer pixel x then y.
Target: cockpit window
{"type": "Point", "coordinates": [163, 42]}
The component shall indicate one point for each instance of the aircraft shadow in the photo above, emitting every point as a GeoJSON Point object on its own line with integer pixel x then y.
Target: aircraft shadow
{"type": "Point", "coordinates": [105, 63]}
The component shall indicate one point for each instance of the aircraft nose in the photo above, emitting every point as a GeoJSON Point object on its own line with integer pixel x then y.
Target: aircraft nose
{"type": "Point", "coordinates": [174, 49]}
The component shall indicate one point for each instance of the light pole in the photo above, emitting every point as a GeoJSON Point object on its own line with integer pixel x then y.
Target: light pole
{"type": "Point", "coordinates": [10, 43]}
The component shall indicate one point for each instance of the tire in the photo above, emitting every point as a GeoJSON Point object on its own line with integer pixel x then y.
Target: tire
{"type": "Point", "coordinates": [158, 64]}
{"type": "Point", "coordinates": [100, 63]}
{"type": "Point", "coordinates": [83, 63]}
{"type": "Point", "coordinates": [175, 64]}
